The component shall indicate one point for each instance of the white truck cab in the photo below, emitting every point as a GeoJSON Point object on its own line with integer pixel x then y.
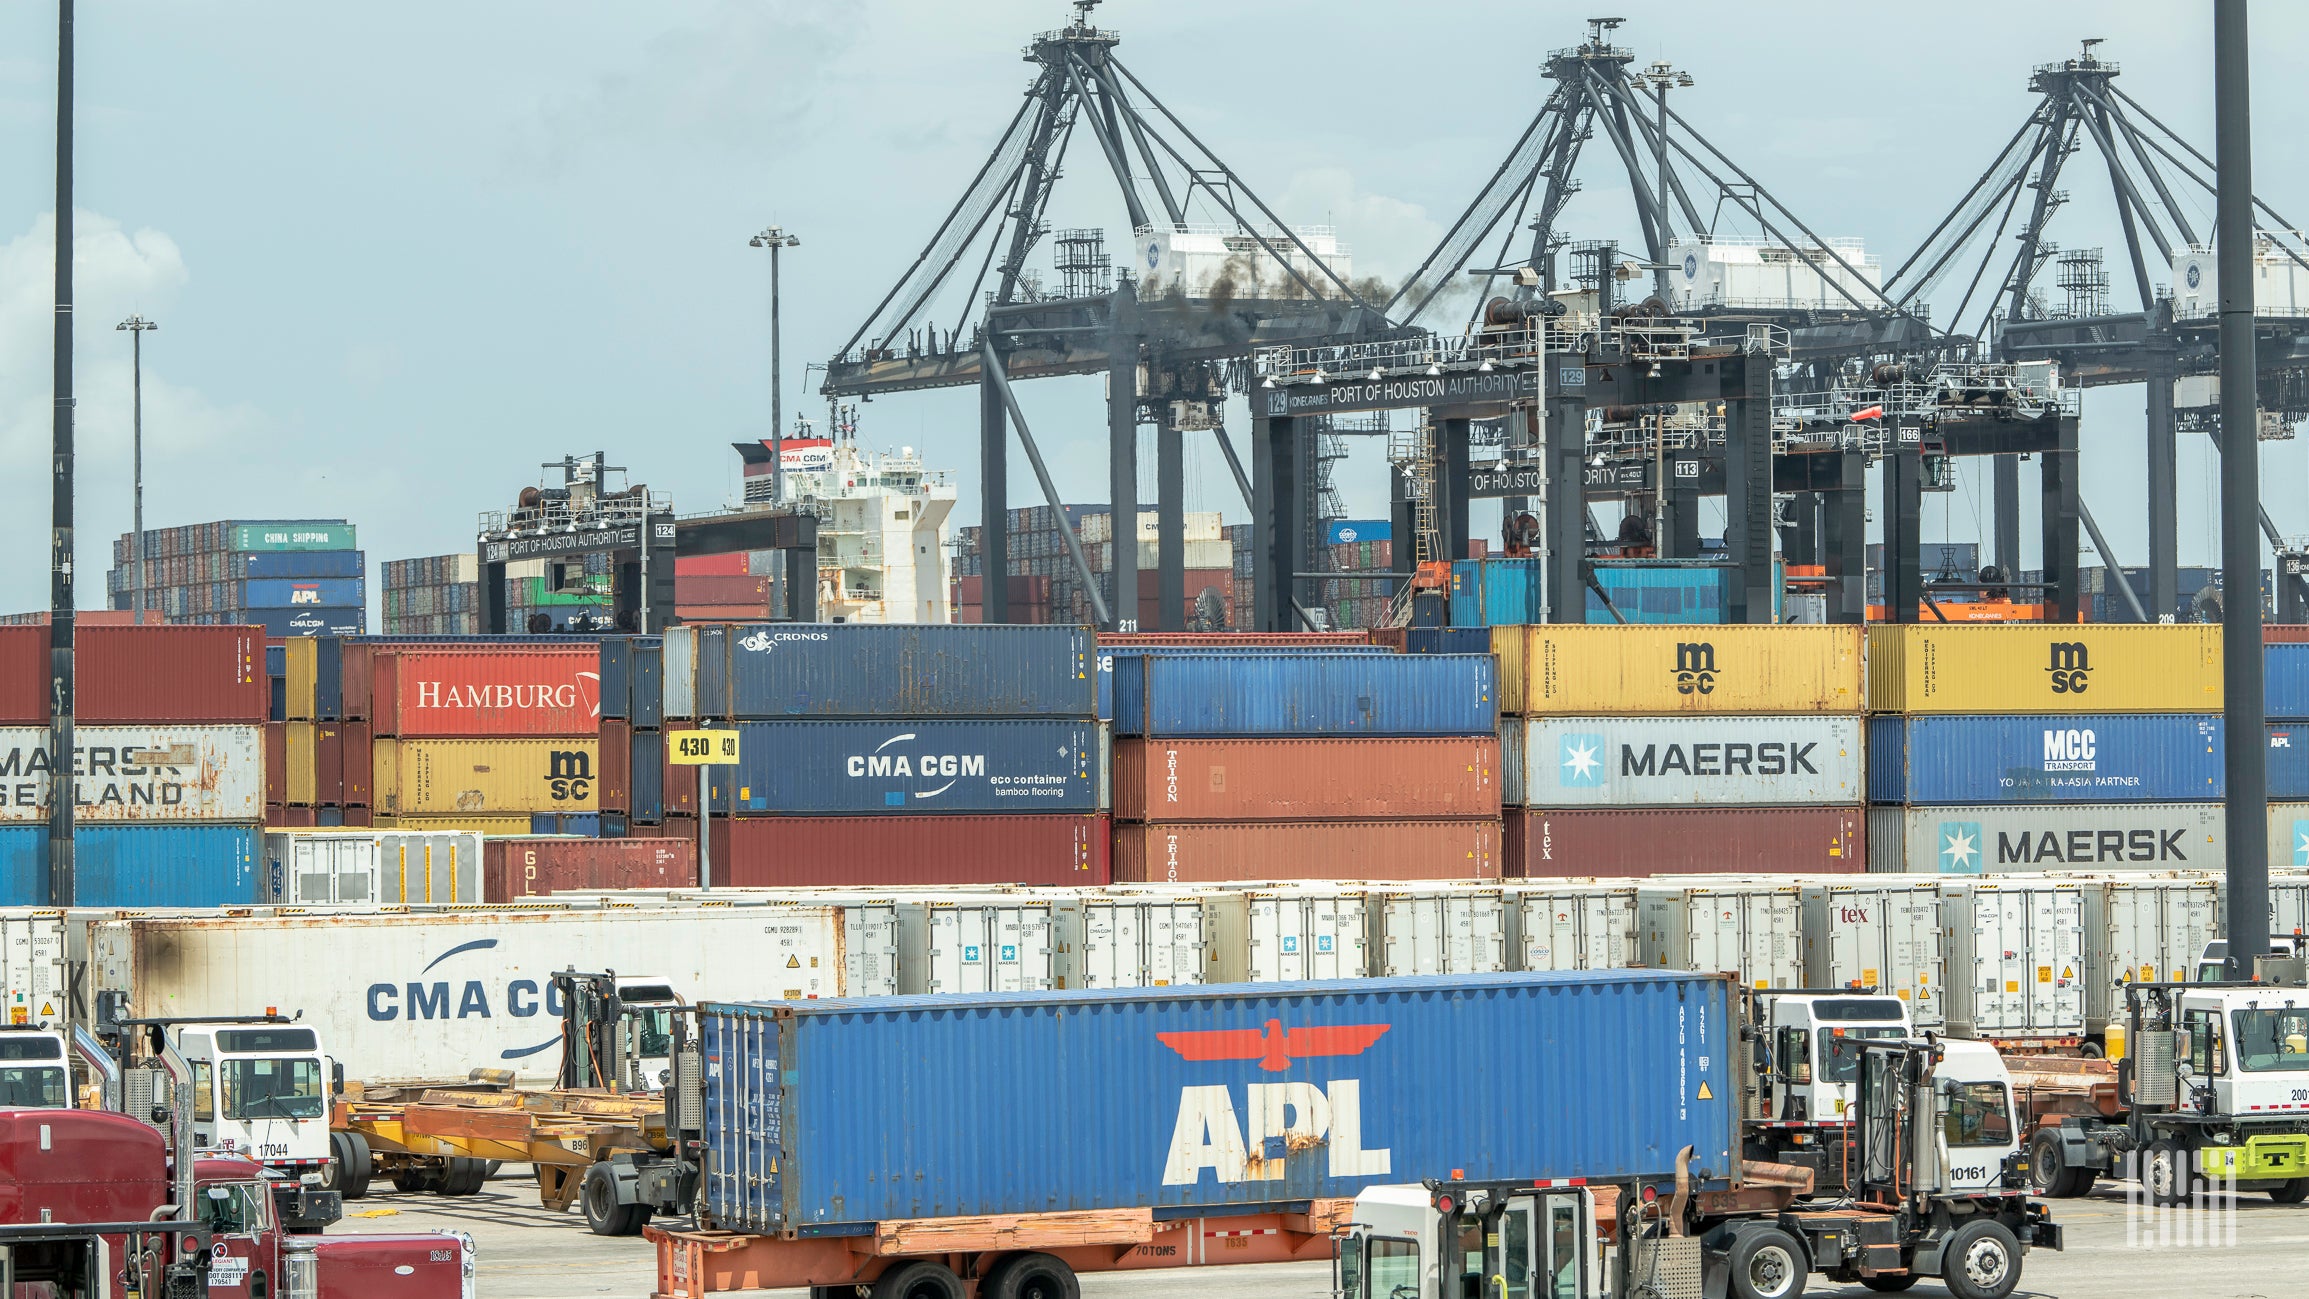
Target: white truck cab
{"type": "Point", "coordinates": [1816, 1040]}
{"type": "Point", "coordinates": [2249, 1047]}
{"type": "Point", "coordinates": [1978, 1135]}
{"type": "Point", "coordinates": [260, 1091]}
{"type": "Point", "coordinates": [650, 1005]}
{"type": "Point", "coordinates": [33, 1071]}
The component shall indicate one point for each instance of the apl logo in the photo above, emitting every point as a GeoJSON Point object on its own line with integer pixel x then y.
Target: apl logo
{"type": "Point", "coordinates": [2076, 749]}
{"type": "Point", "coordinates": [429, 999]}
{"type": "Point", "coordinates": [882, 764]}
{"type": "Point", "coordinates": [1960, 847]}
{"type": "Point", "coordinates": [2069, 666]}
{"type": "Point", "coordinates": [1256, 1143]}
{"type": "Point", "coordinates": [1695, 668]}
{"type": "Point", "coordinates": [1583, 764]}
{"type": "Point", "coordinates": [304, 593]}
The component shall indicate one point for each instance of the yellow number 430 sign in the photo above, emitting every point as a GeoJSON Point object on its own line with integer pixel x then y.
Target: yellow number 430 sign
{"type": "Point", "coordinates": [702, 748]}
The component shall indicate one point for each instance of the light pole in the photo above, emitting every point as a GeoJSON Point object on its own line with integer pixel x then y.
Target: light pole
{"type": "Point", "coordinates": [136, 327]}
{"type": "Point", "coordinates": [775, 238]}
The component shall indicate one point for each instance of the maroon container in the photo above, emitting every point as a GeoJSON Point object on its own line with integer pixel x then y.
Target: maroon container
{"type": "Point", "coordinates": [1624, 843]}
{"type": "Point", "coordinates": [360, 760]}
{"type": "Point", "coordinates": [141, 674]}
{"type": "Point", "coordinates": [276, 762]}
{"type": "Point", "coordinates": [614, 791]}
{"type": "Point", "coordinates": [673, 827]}
{"type": "Point", "coordinates": [1049, 848]}
{"type": "Point", "coordinates": [1209, 853]}
{"type": "Point", "coordinates": [359, 817]}
{"type": "Point", "coordinates": [681, 784]}
{"type": "Point", "coordinates": [356, 662]}
{"type": "Point", "coordinates": [2284, 633]}
{"type": "Point", "coordinates": [525, 866]}
{"type": "Point", "coordinates": [276, 816]}
{"type": "Point", "coordinates": [329, 764]}
{"type": "Point", "coordinates": [537, 690]}
{"type": "Point", "coordinates": [722, 589]}
{"type": "Point", "coordinates": [299, 817]}
{"type": "Point", "coordinates": [1364, 779]}
{"type": "Point", "coordinates": [23, 675]}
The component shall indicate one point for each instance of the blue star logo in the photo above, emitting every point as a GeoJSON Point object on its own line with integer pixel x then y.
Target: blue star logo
{"type": "Point", "coordinates": [1691, 266]}
{"type": "Point", "coordinates": [1960, 847]}
{"type": "Point", "coordinates": [1582, 762]}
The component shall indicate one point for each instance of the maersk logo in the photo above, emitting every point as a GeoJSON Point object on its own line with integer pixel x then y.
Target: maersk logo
{"type": "Point", "coordinates": [2075, 749]}
{"type": "Point", "coordinates": [1960, 847]}
{"type": "Point", "coordinates": [1583, 764]}
{"type": "Point", "coordinates": [1692, 266]}
{"type": "Point", "coordinates": [883, 764]}
{"type": "Point", "coordinates": [2301, 843]}
{"type": "Point", "coordinates": [1278, 1120]}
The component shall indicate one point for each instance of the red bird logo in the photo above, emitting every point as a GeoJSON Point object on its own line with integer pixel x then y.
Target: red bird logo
{"type": "Point", "coordinates": [1274, 1047]}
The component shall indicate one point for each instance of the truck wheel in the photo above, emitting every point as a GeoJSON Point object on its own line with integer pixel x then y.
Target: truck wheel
{"type": "Point", "coordinates": [1030, 1276]}
{"type": "Point", "coordinates": [605, 1215]}
{"type": "Point", "coordinates": [920, 1279]}
{"type": "Point", "coordinates": [462, 1177]}
{"type": "Point", "coordinates": [411, 1179]}
{"type": "Point", "coordinates": [2165, 1172]}
{"type": "Point", "coordinates": [350, 1166]}
{"type": "Point", "coordinates": [1980, 1261]}
{"type": "Point", "coordinates": [1889, 1282]}
{"type": "Point", "coordinates": [1768, 1264]}
{"type": "Point", "coordinates": [2049, 1176]}
{"type": "Point", "coordinates": [2293, 1192]}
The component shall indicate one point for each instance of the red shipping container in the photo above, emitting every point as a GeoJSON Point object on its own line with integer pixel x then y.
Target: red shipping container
{"type": "Point", "coordinates": [1627, 843]}
{"type": "Point", "coordinates": [732, 564]}
{"type": "Point", "coordinates": [276, 762]}
{"type": "Point", "coordinates": [1234, 639]}
{"type": "Point", "coordinates": [1306, 779]}
{"type": "Point", "coordinates": [681, 783]}
{"type": "Point", "coordinates": [329, 764]}
{"type": "Point", "coordinates": [359, 817]}
{"type": "Point", "coordinates": [614, 790]}
{"type": "Point", "coordinates": [276, 816]}
{"type": "Point", "coordinates": [673, 827]}
{"type": "Point", "coordinates": [1209, 853]}
{"type": "Point", "coordinates": [719, 612]}
{"type": "Point", "coordinates": [294, 818]}
{"type": "Point", "coordinates": [165, 674]}
{"type": "Point", "coordinates": [1050, 848]}
{"type": "Point", "coordinates": [543, 690]}
{"type": "Point", "coordinates": [2284, 633]}
{"type": "Point", "coordinates": [360, 762]}
{"type": "Point", "coordinates": [734, 589]}
{"type": "Point", "coordinates": [514, 867]}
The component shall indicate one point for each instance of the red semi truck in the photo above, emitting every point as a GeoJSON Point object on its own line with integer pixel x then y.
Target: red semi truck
{"type": "Point", "coordinates": [90, 1204]}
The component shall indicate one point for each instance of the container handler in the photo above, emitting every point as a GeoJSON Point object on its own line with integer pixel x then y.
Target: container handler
{"type": "Point", "coordinates": [261, 1083]}
{"type": "Point", "coordinates": [1807, 1062]}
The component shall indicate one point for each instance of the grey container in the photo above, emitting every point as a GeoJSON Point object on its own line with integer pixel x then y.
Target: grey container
{"type": "Point", "coordinates": [2006, 838]}
{"type": "Point", "coordinates": [2016, 959]}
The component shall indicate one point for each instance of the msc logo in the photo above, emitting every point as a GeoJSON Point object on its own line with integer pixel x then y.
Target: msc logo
{"type": "Point", "coordinates": [2071, 750]}
{"type": "Point", "coordinates": [2069, 665]}
{"type": "Point", "coordinates": [1278, 1119]}
{"type": "Point", "coordinates": [569, 775]}
{"type": "Point", "coordinates": [1960, 847]}
{"type": "Point", "coordinates": [1695, 668]}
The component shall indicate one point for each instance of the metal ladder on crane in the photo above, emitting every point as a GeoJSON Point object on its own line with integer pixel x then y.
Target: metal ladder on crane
{"type": "Point", "coordinates": [1413, 451]}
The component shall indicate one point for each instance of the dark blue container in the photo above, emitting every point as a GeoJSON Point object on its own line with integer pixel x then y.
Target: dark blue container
{"type": "Point", "coordinates": [2289, 762]}
{"type": "Point", "coordinates": [137, 865]}
{"type": "Point", "coordinates": [1121, 663]}
{"type": "Point", "coordinates": [1338, 695]}
{"type": "Point", "coordinates": [614, 825]}
{"type": "Point", "coordinates": [585, 824]}
{"type": "Point", "coordinates": [298, 563]}
{"type": "Point", "coordinates": [646, 706]}
{"type": "Point", "coordinates": [329, 817]}
{"type": "Point", "coordinates": [277, 661]}
{"type": "Point", "coordinates": [306, 620]}
{"type": "Point", "coordinates": [302, 592]}
{"type": "Point", "coordinates": [2285, 678]}
{"type": "Point", "coordinates": [2120, 758]}
{"type": "Point", "coordinates": [278, 709]}
{"type": "Point", "coordinates": [1447, 640]}
{"type": "Point", "coordinates": [616, 685]}
{"type": "Point", "coordinates": [913, 766]}
{"type": "Point", "coordinates": [645, 785]}
{"type": "Point", "coordinates": [903, 670]}
{"type": "Point", "coordinates": [825, 1114]}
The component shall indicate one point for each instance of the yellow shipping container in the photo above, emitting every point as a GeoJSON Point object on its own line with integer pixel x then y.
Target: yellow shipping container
{"type": "Point", "coordinates": [302, 773]}
{"type": "Point", "coordinates": [2044, 668]}
{"type": "Point", "coordinates": [1571, 669]}
{"type": "Point", "coordinates": [433, 777]}
{"type": "Point", "coordinates": [485, 825]}
{"type": "Point", "coordinates": [303, 657]}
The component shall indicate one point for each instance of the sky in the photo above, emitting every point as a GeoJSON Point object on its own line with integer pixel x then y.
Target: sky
{"type": "Point", "coordinates": [402, 257]}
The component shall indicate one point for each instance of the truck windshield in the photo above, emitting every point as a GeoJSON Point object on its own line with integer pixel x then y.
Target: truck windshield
{"type": "Point", "coordinates": [1392, 1270]}
{"type": "Point", "coordinates": [33, 1087]}
{"type": "Point", "coordinates": [2271, 1040]}
{"type": "Point", "coordinates": [654, 1029]}
{"type": "Point", "coordinates": [1840, 1049]}
{"type": "Point", "coordinates": [1978, 1115]}
{"type": "Point", "coordinates": [272, 1089]}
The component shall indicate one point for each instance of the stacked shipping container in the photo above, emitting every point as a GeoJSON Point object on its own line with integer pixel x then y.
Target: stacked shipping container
{"type": "Point", "coordinates": [299, 577]}
{"type": "Point", "coordinates": [1634, 750]}
{"type": "Point", "coordinates": [439, 595]}
{"type": "Point", "coordinates": [1045, 587]}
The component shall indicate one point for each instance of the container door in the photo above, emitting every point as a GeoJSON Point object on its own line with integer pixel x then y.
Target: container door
{"type": "Point", "coordinates": [956, 949]}
{"type": "Point", "coordinates": [1854, 919]}
{"type": "Point", "coordinates": [1115, 933]}
{"type": "Point", "coordinates": [2288, 906]}
{"type": "Point", "coordinates": [1550, 928]}
{"type": "Point", "coordinates": [1915, 960]}
{"type": "Point", "coordinates": [2192, 919]}
{"type": "Point", "coordinates": [1174, 943]}
{"type": "Point", "coordinates": [1609, 942]}
{"type": "Point", "coordinates": [2056, 975]}
{"type": "Point", "coordinates": [1026, 958]}
{"type": "Point", "coordinates": [2131, 947]}
{"type": "Point", "coordinates": [1487, 932]}
{"type": "Point", "coordinates": [2001, 919]}
{"type": "Point", "coordinates": [869, 949]}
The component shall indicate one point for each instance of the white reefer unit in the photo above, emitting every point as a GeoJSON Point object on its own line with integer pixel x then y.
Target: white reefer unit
{"type": "Point", "coordinates": [987, 942]}
{"type": "Point", "coordinates": [1763, 273]}
{"type": "Point", "coordinates": [1437, 930]}
{"type": "Point", "coordinates": [2016, 948]}
{"type": "Point", "coordinates": [1130, 941]}
{"type": "Point", "coordinates": [32, 967]}
{"type": "Point", "coordinates": [1754, 930]}
{"type": "Point", "coordinates": [1287, 934]}
{"type": "Point", "coordinates": [1881, 932]}
{"type": "Point", "coordinates": [436, 994]}
{"type": "Point", "coordinates": [1568, 925]}
{"type": "Point", "coordinates": [1223, 262]}
{"type": "Point", "coordinates": [2144, 931]}
{"type": "Point", "coordinates": [369, 867]}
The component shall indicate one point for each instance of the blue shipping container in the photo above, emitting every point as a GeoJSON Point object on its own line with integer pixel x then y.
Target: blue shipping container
{"type": "Point", "coordinates": [329, 817]}
{"type": "Point", "coordinates": [1344, 530]}
{"type": "Point", "coordinates": [912, 765]}
{"type": "Point", "coordinates": [614, 825]}
{"type": "Point", "coordinates": [301, 592]}
{"type": "Point", "coordinates": [712, 672]}
{"type": "Point", "coordinates": [1692, 593]}
{"type": "Point", "coordinates": [585, 825]}
{"type": "Point", "coordinates": [2285, 678]}
{"type": "Point", "coordinates": [646, 782]}
{"type": "Point", "coordinates": [1494, 592]}
{"type": "Point", "coordinates": [329, 679]}
{"type": "Point", "coordinates": [899, 670]}
{"type": "Point", "coordinates": [2289, 762]}
{"type": "Point", "coordinates": [305, 621]}
{"type": "Point", "coordinates": [1133, 679]}
{"type": "Point", "coordinates": [298, 563]}
{"type": "Point", "coordinates": [137, 865]}
{"type": "Point", "coordinates": [647, 705]}
{"type": "Point", "coordinates": [2124, 758]}
{"type": "Point", "coordinates": [278, 709]}
{"type": "Point", "coordinates": [1342, 695]}
{"type": "Point", "coordinates": [615, 688]}
{"type": "Point", "coordinates": [1447, 640]}
{"type": "Point", "coordinates": [1069, 1101]}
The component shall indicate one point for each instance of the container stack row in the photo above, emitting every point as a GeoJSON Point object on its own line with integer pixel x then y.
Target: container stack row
{"type": "Point", "coordinates": [1044, 587]}
{"type": "Point", "coordinates": [293, 577]}
{"type": "Point", "coordinates": [1687, 749]}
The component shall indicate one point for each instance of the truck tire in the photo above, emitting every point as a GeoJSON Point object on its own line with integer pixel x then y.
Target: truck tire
{"type": "Point", "coordinates": [412, 1179]}
{"type": "Point", "coordinates": [1980, 1261]}
{"type": "Point", "coordinates": [1766, 1264]}
{"type": "Point", "coordinates": [2049, 1176]}
{"type": "Point", "coordinates": [1030, 1276]}
{"type": "Point", "coordinates": [2293, 1192]}
{"type": "Point", "coordinates": [350, 1165]}
{"type": "Point", "coordinates": [2164, 1172]}
{"type": "Point", "coordinates": [462, 1177]}
{"type": "Point", "coordinates": [598, 1197]}
{"type": "Point", "coordinates": [920, 1279]}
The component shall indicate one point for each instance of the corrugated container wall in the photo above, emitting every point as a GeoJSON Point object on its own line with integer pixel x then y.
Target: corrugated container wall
{"type": "Point", "coordinates": [141, 675]}
{"type": "Point", "coordinates": [517, 868]}
{"type": "Point", "coordinates": [139, 773]}
{"type": "Point", "coordinates": [1684, 761]}
{"type": "Point", "coordinates": [1755, 930]}
{"type": "Point", "coordinates": [2079, 668]}
{"type": "Point", "coordinates": [909, 851]}
{"type": "Point", "coordinates": [1130, 941]}
{"type": "Point", "coordinates": [1122, 671]}
{"type": "Point", "coordinates": [911, 766]}
{"type": "Point", "coordinates": [2056, 758]}
{"type": "Point", "coordinates": [869, 670]}
{"type": "Point", "coordinates": [1566, 925]}
{"type": "Point", "coordinates": [2015, 960]}
{"type": "Point", "coordinates": [1001, 1133]}
{"type": "Point", "coordinates": [182, 865]}
{"type": "Point", "coordinates": [1439, 931]}
{"type": "Point", "coordinates": [1987, 839]}
{"type": "Point", "coordinates": [1882, 934]}
{"type": "Point", "coordinates": [501, 691]}
{"type": "Point", "coordinates": [1288, 933]}
{"type": "Point", "coordinates": [1569, 668]}
{"type": "Point", "coordinates": [2146, 929]}
{"type": "Point", "coordinates": [387, 867]}
{"type": "Point", "coordinates": [1316, 780]}
{"type": "Point", "coordinates": [485, 777]}
{"type": "Point", "coordinates": [977, 942]}
{"type": "Point", "coordinates": [1352, 694]}
{"type": "Point", "coordinates": [1626, 843]}
{"type": "Point", "coordinates": [1205, 852]}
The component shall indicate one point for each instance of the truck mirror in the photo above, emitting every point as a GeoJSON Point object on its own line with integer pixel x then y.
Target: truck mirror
{"type": "Point", "coordinates": [336, 1077]}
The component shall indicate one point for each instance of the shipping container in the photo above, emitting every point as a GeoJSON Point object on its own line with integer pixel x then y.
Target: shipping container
{"type": "Point", "coordinates": [169, 674]}
{"type": "Point", "coordinates": [977, 942]}
{"type": "Point", "coordinates": [294, 563]}
{"type": "Point", "coordinates": [1288, 933]}
{"type": "Point", "coordinates": [1608, 761]}
{"type": "Point", "coordinates": [583, 824]}
{"type": "Point", "coordinates": [2149, 928]}
{"type": "Point", "coordinates": [1326, 694]}
{"type": "Point", "coordinates": [1989, 839]}
{"type": "Point", "coordinates": [138, 773]}
{"type": "Point", "coordinates": [2285, 681]}
{"type": "Point", "coordinates": [1495, 592]}
{"type": "Point", "coordinates": [1130, 659]}
{"type": "Point", "coordinates": [24, 675]}
{"type": "Point", "coordinates": [2283, 633]}
{"type": "Point", "coordinates": [1514, 778]}
{"type": "Point", "coordinates": [2015, 960]}
{"type": "Point", "coordinates": [615, 789]}
{"type": "Point", "coordinates": [645, 705]}
{"type": "Point", "coordinates": [329, 763]}
{"type": "Point", "coordinates": [1572, 669]}
{"type": "Point", "coordinates": [185, 864]}
{"type": "Point", "coordinates": [615, 686]}
{"type": "Point", "coordinates": [1442, 640]}
{"type": "Point", "coordinates": [1438, 931]}
{"type": "Point", "coordinates": [1245, 640]}
{"type": "Point", "coordinates": [2025, 668]}
{"type": "Point", "coordinates": [1753, 929]}
{"type": "Point", "coordinates": [358, 763]}
{"type": "Point", "coordinates": [276, 763]}
{"type": "Point", "coordinates": [1129, 941]}
{"type": "Point", "coordinates": [1573, 925]}
{"type": "Point", "coordinates": [388, 867]}
{"type": "Point", "coordinates": [35, 978]}
{"type": "Point", "coordinates": [680, 675]}
{"type": "Point", "coordinates": [2288, 761]}
{"type": "Point", "coordinates": [897, 670]}
{"type": "Point", "coordinates": [911, 765]}
{"type": "Point", "coordinates": [1203, 852]}
{"type": "Point", "coordinates": [516, 868]}
{"type": "Point", "coordinates": [1878, 933]}
{"type": "Point", "coordinates": [1381, 778]}
{"type": "Point", "coordinates": [647, 750]}
{"type": "Point", "coordinates": [1004, 1131]}
{"type": "Point", "coordinates": [515, 823]}
{"type": "Point", "coordinates": [437, 995]}
{"type": "Point", "coordinates": [300, 594]}
{"type": "Point", "coordinates": [292, 534]}
{"type": "Point", "coordinates": [483, 777]}
{"type": "Point", "coordinates": [544, 691]}
{"type": "Point", "coordinates": [301, 741]}
{"type": "Point", "coordinates": [1630, 843]}
{"type": "Point", "coordinates": [305, 620]}
{"type": "Point", "coordinates": [2288, 837]}
{"type": "Point", "coordinates": [2053, 758]}
{"type": "Point", "coordinates": [1051, 849]}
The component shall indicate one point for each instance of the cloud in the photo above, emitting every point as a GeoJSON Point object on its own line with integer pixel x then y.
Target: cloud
{"type": "Point", "coordinates": [1386, 236]}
